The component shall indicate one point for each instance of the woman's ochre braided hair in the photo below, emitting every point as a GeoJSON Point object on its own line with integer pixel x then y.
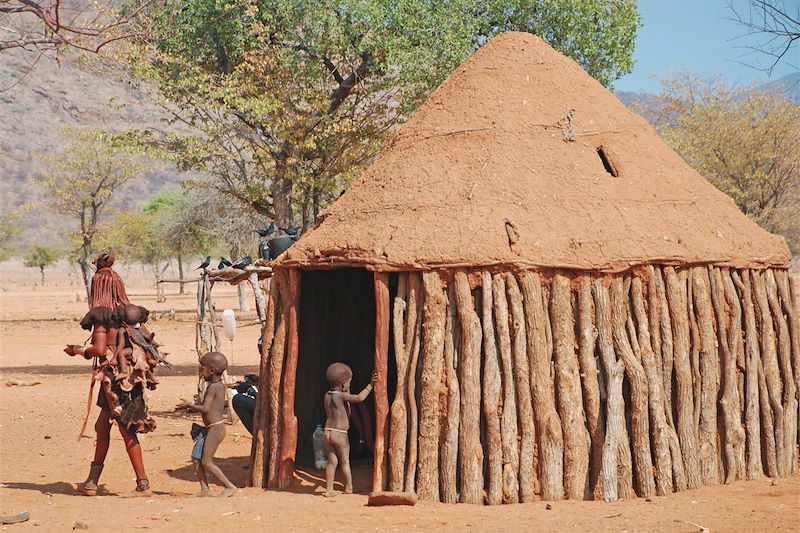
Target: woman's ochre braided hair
{"type": "Point", "coordinates": [108, 289]}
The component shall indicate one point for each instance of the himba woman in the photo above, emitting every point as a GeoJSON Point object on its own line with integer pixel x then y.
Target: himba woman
{"type": "Point", "coordinates": [106, 320]}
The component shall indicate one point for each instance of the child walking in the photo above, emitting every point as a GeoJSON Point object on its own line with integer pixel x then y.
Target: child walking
{"type": "Point", "coordinates": [337, 444]}
{"type": "Point", "coordinates": [207, 438]}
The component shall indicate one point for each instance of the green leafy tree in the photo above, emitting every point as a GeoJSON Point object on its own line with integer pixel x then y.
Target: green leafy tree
{"type": "Point", "coordinates": [80, 183]}
{"type": "Point", "coordinates": [743, 140]}
{"type": "Point", "coordinates": [42, 257]}
{"type": "Point", "coordinates": [285, 102]}
{"type": "Point", "coordinates": [8, 232]}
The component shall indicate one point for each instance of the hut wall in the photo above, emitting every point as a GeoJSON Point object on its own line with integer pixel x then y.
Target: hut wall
{"type": "Point", "coordinates": [493, 402]}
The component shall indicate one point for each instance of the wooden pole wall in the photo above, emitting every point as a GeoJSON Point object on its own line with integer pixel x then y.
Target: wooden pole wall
{"type": "Point", "coordinates": [511, 385]}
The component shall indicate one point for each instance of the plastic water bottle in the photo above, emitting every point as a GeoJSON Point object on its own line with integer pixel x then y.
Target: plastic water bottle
{"type": "Point", "coordinates": [320, 461]}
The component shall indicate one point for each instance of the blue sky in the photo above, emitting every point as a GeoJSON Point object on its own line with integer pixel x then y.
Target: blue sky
{"type": "Point", "coordinates": [696, 35]}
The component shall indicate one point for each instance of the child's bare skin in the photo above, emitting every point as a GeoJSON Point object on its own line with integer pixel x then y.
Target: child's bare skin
{"type": "Point", "coordinates": [337, 445]}
{"type": "Point", "coordinates": [212, 365]}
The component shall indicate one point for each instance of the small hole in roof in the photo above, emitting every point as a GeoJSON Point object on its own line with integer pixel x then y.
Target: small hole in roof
{"type": "Point", "coordinates": [608, 161]}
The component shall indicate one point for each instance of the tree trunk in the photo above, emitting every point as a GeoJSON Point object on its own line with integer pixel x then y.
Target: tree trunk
{"type": "Point", "coordinates": [676, 297]}
{"type": "Point", "coordinates": [640, 434]}
{"type": "Point", "coordinates": [381, 282]}
{"type": "Point", "coordinates": [590, 381]}
{"type": "Point", "coordinates": [508, 420]}
{"type": "Point", "coordinates": [733, 400]}
{"type": "Point", "coordinates": [658, 420]}
{"type": "Point", "coordinates": [86, 276]}
{"type": "Point", "coordinates": [568, 390]}
{"type": "Point", "coordinates": [469, 444]}
{"type": "Point", "coordinates": [792, 309]}
{"type": "Point", "coordinates": [751, 410]}
{"type": "Point", "coordinates": [769, 358]}
{"type": "Point", "coordinates": [548, 423]}
{"type": "Point", "coordinates": [491, 395]}
{"type": "Point", "coordinates": [180, 274]}
{"type": "Point", "coordinates": [452, 347]}
{"type": "Point", "coordinates": [398, 433]}
{"type": "Point", "coordinates": [768, 424]}
{"type": "Point", "coordinates": [522, 384]}
{"type": "Point", "coordinates": [709, 373]}
{"type": "Point", "coordinates": [430, 380]}
{"type": "Point", "coordinates": [615, 417]}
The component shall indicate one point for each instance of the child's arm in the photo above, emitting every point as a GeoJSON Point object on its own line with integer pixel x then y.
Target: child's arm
{"type": "Point", "coordinates": [361, 396]}
{"type": "Point", "coordinates": [204, 407]}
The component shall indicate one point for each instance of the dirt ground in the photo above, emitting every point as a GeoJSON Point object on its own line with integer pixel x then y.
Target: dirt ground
{"type": "Point", "coordinates": [41, 457]}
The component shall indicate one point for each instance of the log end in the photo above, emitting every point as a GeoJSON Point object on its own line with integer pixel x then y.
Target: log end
{"type": "Point", "coordinates": [379, 499]}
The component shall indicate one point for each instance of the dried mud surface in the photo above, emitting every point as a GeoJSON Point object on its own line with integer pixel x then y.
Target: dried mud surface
{"type": "Point", "coordinates": [482, 175]}
{"type": "Point", "coordinates": [41, 458]}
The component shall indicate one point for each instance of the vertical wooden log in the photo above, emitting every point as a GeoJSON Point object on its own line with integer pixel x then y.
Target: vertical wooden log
{"type": "Point", "coordinates": [751, 411]}
{"type": "Point", "coordinates": [659, 300]}
{"type": "Point", "coordinates": [659, 312]}
{"type": "Point", "coordinates": [275, 391]}
{"type": "Point", "coordinates": [430, 380]}
{"type": "Point", "coordinates": [381, 281]}
{"type": "Point", "coordinates": [398, 433]}
{"type": "Point", "coordinates": [452, 347]}
{"type": "Point", "coordinates": [212, 313]}
{"type": "Point", "coordinates": [261, 304]}
{"type": "Point", "coordinates": [469, 444]}
{"type": "Point", "coordinates": [568, 390]}
{"type": "Point", "coordinates": [769, 358]}
{"type": "Point", "coordinates": [791, 307]}
{"type": "Point", "coordinates": [694, 355]}
{"type": "Point", "coordinates": [589, 379]}
{"type": "Point", "coordinates": [522, 385]}
{"type": "Point", "coordinates": [258, 449]}
{"type": "Point", "coordinates": [413, 345]}
{"type": "Point", "coordinates": [767, 424]}
{"type": "Point", "coordinates": [735, 399]}
{"type": "Point", "coordinates": [732, 433]}
{"type": "Point", "coordinates": [548, 423]}
{"type": "Point", "coordinates": [614, 372]}
{"type": "Point", "coordinates": [658, 420]}
{"type": "Point", "coordinates": [709, 374]}
{"type": "Point", "coordinates": [640, 434]}
{"type": "Point", "coordinates": [491, 395]}
{"type": "Point", "coordinates": [289, 420]}
{"type": "Point", "coordinates": [677, 301]}
{"type": "Point", "coordinates": [508, 420]}
{"type": "Point", "coordinates": [788, 400]}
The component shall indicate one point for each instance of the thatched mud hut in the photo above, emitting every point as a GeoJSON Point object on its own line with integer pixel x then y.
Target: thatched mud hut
{"type": "Point", "coordinates": [556, 304]}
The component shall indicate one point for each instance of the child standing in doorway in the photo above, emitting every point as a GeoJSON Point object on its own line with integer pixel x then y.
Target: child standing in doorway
{"type": "Point", "coordinates": [337, 444]}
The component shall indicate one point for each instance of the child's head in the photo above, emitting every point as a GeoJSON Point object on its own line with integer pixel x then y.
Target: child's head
{"type": "Point", "coordinates": [213, 364]}
{"type": "Point", "coordinates": [132, 314]}
{"type": "Point", "coordinates": [339, 376]}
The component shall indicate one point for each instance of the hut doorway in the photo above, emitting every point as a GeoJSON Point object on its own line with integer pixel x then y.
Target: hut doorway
{"type": "Point", "coordinates": [336, 323]}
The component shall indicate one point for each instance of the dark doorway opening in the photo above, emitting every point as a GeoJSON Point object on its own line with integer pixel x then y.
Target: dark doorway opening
{"type": "Point", "coordinates": [337, 323]}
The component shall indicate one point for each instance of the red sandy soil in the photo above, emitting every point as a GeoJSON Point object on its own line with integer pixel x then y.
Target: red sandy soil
{"type": "Point", "coordinates": [41, 458]}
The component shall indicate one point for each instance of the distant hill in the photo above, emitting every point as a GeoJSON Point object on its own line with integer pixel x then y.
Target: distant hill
{"type": "Point", "coordinates": [36, 104]}
{"type": "Point", "coordinates": [789, 85]}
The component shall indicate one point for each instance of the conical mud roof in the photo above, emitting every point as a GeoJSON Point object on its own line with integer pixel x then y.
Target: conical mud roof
{"type": "Point", "coordinates": [503, 166]}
